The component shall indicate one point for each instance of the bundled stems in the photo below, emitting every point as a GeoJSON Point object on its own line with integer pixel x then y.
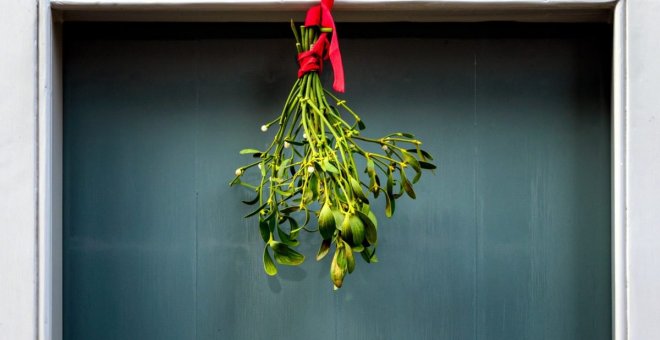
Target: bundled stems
{"type": "Point", "coordinates": [309, 172]}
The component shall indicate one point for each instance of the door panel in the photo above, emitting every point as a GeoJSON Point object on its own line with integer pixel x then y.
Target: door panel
{"type": "Point", "coordinates": [510, 239]}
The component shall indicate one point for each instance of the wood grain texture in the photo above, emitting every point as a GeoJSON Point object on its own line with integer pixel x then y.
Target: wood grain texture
{"type": "Point", "coordinates": [509, 240]}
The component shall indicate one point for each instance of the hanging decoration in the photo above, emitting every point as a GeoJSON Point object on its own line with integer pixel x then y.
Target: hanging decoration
{"type": "Point", "coordinates": [310, 175]}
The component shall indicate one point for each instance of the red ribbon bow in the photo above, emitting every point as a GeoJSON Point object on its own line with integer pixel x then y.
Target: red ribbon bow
{"type": "Point", "coordinates": [312, 60]}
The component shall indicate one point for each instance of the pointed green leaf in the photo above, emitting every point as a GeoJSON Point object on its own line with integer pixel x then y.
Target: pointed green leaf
{"type": "Point", "coordinates": [357, 229]}
{"type": "Point", "coordinates": [366, 255]}
{"type": "Point", "coordinates": [252, 201]}
{"type": "Point", "coordinates": [286, 239]}
{"type": "Point", "coordinates": [390, 183]}
{"type": "Point", "coordinates": [256, 211]}
{"type": "Point", "coordinates": [249, 151]}
{"type": "Point", "coordinates": [427, 165]}
{"type": "Point", "coordinates": [269, 266]}
{"type": "Point", "coordinates": [389, 205]}
{"type": "Point", "coordinates": [370, 232]}
{"type": "Point", "coordinates": [323, 250]}
{"type": "Point", "coordinates": [357, 189]}
{"type": "Point", "coordinates": [264, 230]}
{"type": "Point", "coordinates": [282, 167]}
{"type": "Point", "coordinates": [327, 166]}
{"type": "Point", "coordinates": [289, 210]}
{"type": "Point", "coordinates": [350, 260]}
{"type": "Point", "coordinates": [373, 219]}
{"type": "Point", "coordinates": [285, 255]}
{"type": "Point", "coordinates": [339, 217]}
{"type": "Point", "coordinates": [338, 267]}
{"type": "Point", "coordinates": [346, 231]}
{"type": "Point", "coordinates": [326, 222]}
{"type": "Point", "coordinates": [408, 158]}
{"type": "Point", "coordinates": [418, 175]}
{"type": "Point", "coordinates": [409, 189]}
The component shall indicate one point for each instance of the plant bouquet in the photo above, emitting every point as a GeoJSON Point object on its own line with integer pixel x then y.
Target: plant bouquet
{"type": "Point", "coordinates": [310, 177]}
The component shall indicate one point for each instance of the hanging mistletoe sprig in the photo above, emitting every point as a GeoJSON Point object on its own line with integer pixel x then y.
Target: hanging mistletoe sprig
{"type": "Point", "coordinates": [310, 179]}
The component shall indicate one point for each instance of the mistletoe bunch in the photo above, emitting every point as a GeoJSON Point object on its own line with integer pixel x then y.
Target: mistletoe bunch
{"type": "Point", "coordinates": [310, 179]}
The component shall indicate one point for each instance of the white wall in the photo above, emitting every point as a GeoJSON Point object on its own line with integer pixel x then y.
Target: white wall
{"type": "Point", "coordinates": [18, 147]}
{"type": "Point", "coordinates": [644, 169]}
{"type": "Point", "coordinates": [18, 169]}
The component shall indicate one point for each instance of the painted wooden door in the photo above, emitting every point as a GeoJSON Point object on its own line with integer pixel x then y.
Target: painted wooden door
{"type": "Point", "coordinates": [510, 239]}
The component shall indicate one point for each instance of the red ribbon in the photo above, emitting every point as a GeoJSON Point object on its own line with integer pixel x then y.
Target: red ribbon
{"type": "Point", "coordinates": [312, 60]}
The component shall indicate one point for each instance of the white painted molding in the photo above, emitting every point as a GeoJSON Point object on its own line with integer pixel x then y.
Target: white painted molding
{"type": "Point", "coordinates": [277, 5]}
{"type": "Point", "coordinates": [18, 172]}
{"type": "Point", "coordinates": [643, 176]}
{"type": "Point", "coordinates": [619, 172]}
{"type": "Point", "coordinates": [344, 10]}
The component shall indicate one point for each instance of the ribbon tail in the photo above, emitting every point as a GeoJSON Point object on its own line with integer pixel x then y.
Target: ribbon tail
{"type": "Point", "coordinates": [333, 52]}
{"type": "Point", "coordinates": [337, 65]}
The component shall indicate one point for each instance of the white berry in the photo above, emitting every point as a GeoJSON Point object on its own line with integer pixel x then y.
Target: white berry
{"type": "Point", "coordinates": [310, 169]}
{"type": "Point", "coordinates": [286, 145]}
{"type": "Point", "coordinates": [264, 128]}
{"type": "Point", "coordinates": [304, 136]}
{"type": "Point", "coordinates": [384, 147]}
{"type": "Point", "coordinates": [239, 172]}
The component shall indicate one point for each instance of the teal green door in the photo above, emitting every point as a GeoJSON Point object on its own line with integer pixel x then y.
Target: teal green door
{"type": "Point", "coordinates": [509, 240]}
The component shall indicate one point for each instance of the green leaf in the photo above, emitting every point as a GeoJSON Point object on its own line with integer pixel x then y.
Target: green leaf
{"type": "Point", "coordinates": [293, 224]}
{"type": "Point", "coordinates": [373, 219]}
{"type": "Point", "coordinates": [323, 250]}
{"type": "Point", "coordinates": [338, 267]}
{"type": "Point", "coordinates": [249, 151]}
{"type": "Point", "coordinates": [339, 217]}
{"type": "Point", "coordinates": [426, 154]}
{"type": "Point", "coordinates": [350, 260]}
{"type": "Point", "coordinates": [286, 239]}
{"type": "Point", "coordinates": [418, 175]}
{"type": "Point", "coordinates": [389, 205]}
{"type": "Point", "coordinates": [282, 167]}
{"type": "Point", "coordinates": [368, 254]}
{"type": "Point", "coordinates": [390, 183]}
{"type": "Point", "coordinates": [289, 210]}
{"type": "Point", "coordinates": [346, 231]}
{"type": "Point", "coordinates": [357, 189]}
{"type": "Point", "coordinates": [407, 187]}
{"type": "Point", "coordinates": [256, 211]}
{"type": "Point", "coordinates": [370, 167]}
{"type": "Point", "coordinates": [405, 134]}
{"type": "Point", "coordinates": [327, 222]}
{"type": "Point", "coordinates": [264, 230]}
{"type": "Point", "coordinates": [427, 165]}
{"type": "Point", "coordinates": [269, 266]}
{"type": "Point", "coordinates": [327, 166]}
{"type": "Point", "coordinates": [293, 142]}
{"type": "Point", "coordinates": [357, 229]}
{"type": "Point", "coordinates": [370, 232]}
{"type": "Point", "coordinates": [285, 255]}
{"type": "Point", "coordinates": [412, 161]}
{"type": "Point", "coordinates": [422, 154]}
{"type": "Point", "coordinates": [252, 201]}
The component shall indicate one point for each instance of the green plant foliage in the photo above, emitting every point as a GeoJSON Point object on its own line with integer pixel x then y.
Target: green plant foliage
{"type": "Point", "coordinates": [310, 179]}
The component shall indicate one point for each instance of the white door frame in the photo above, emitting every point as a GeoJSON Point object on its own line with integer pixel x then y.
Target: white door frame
{"type": "Point", "coordinates": [52, 13]}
